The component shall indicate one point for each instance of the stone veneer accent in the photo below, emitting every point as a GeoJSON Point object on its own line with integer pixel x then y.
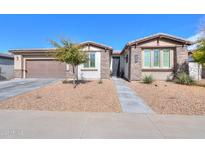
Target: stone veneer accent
{"type": "Point", "coordinates": [181, 54]}
{"type": "Point", "coordinates": [18, 73]}
{"type": "Point", "coordinates": [105, 64]}
{"type": "Point", "coordinates": [181, 57]}
{"type": "Point", "coordinates": [136, 66]}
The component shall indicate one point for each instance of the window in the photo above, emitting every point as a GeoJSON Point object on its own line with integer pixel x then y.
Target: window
{"type": "Point", "coordinates": [156, 58]}
{"type": "Point", "coordinates": [147, 58]}
{"type": "Point", "coordinates": [91, 62]}
{"type": "Point", "coordinates": [166, 58]}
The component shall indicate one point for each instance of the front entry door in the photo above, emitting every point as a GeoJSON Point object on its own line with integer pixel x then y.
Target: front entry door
{"type": "Point", "coordinates": [116, 66]}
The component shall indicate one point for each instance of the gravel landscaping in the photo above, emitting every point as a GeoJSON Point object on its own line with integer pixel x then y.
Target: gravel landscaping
{"type": "Point", "coordinates": [170, 98]}
{"type": "Point", "coordinates": [86, 97]}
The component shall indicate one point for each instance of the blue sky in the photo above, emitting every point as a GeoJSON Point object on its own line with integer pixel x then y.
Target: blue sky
{"type": "Point", "coordinates": [34, 31]}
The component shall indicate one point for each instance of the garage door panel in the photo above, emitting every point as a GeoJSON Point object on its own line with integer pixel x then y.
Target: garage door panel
{"type": "Point", "coordinates": [45, 69]}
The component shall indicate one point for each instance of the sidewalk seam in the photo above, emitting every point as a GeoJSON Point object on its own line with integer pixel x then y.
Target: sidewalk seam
{"type": "Point", "coordinates": [158, 129]}
{"type": "Point", "coordinates": [84, 126]}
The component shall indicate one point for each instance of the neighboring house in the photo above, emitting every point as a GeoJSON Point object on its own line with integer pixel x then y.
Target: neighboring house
{"type": "Point", "coordinates": [157, 55]}
{"type": "Point", "coordinates": [6, 66]}
{"type": "Point", "coordinates": [197, 69]}
{"type": "Point", "coordinates": [37, 63]}
{"type": "Point", "coordinates": [192, 48]}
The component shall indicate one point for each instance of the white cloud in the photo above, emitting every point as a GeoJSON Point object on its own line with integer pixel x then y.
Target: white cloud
{"type": "Point", "coordinates": [194, 38]}
{"type": "Point", "coordinates": [197, 36]}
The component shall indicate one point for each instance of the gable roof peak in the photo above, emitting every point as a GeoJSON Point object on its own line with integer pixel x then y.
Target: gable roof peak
{"type": "Point", "coordinates": [96, 44]}
{"type": "Point", "coordinates": [168, 36]}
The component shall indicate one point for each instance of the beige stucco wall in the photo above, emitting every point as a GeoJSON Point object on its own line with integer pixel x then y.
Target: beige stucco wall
{"type": "Point", "coordinates": [122, 63]}
{"type": "Point", "coordinates": [18, 66]}
{"type": "Point", "coordinates": [158, 75]}
{"type": "Point", "coordinates": [18, 59]}
{"type": "Point", "coordinates": [126, 65]}
{"type": "Point", "coordinates": [160, 43]}
{"type": "Point", "coordinates": [91, 48]}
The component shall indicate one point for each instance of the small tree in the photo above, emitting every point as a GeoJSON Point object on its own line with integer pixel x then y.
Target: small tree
{"type": "Point", "coordinates": [199, 53]}
{"type": "Point", "coordinates": [70, 53]}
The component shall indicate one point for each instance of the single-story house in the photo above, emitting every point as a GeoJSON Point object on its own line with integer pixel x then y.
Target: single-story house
{"type": "Point", "coordinates": [157, 55]}
{"type": "Point", "coordinates": [37, 63]}
{"type": "Point", "coordinates": [6, 66]}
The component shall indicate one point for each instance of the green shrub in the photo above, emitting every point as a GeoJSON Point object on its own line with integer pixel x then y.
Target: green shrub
{"type": "Point", "coordinates": [184, 78]}
{"type": "Point", "coordinates": [148, 79]}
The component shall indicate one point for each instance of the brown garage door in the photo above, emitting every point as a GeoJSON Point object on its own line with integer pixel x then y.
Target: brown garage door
{"type": "Point", "coordinates": [45, 69]}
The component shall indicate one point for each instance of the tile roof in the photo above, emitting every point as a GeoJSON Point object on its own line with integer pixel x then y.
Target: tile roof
{"type": "Point", "coordinates": [161, 35]}
{"type": "Point", "coordinates": [97, 44]}
{"type": "Point", "coordinates": [32, 49]}
{"type": "Point", "coordinates": [52, 49]}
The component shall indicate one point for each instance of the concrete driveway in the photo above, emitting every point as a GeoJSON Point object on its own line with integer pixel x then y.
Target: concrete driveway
{"type": "Point", "coordinates": [18, 86]}
{"type": "Point", "coordinates": [44, 124]}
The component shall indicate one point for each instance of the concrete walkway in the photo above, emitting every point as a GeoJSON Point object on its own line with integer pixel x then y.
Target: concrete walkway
{"type": "Point", "coordinates": [129, 101]}
{"type": "Point", "coordinates": [18, 86]}
{"type": "Point", "coordinates": [42, 124]}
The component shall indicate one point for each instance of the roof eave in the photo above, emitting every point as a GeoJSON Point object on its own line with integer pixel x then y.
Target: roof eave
{"type": "Point", "coordinates": [97, 45]}
{"type": "Point", "coordinates": [33, 49]}
{"type": "Point", "coordinates": [186, 42]}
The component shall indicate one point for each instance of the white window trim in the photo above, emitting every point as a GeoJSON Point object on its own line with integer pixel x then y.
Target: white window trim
{"type": "Point", "coordinates": [161, 59]}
